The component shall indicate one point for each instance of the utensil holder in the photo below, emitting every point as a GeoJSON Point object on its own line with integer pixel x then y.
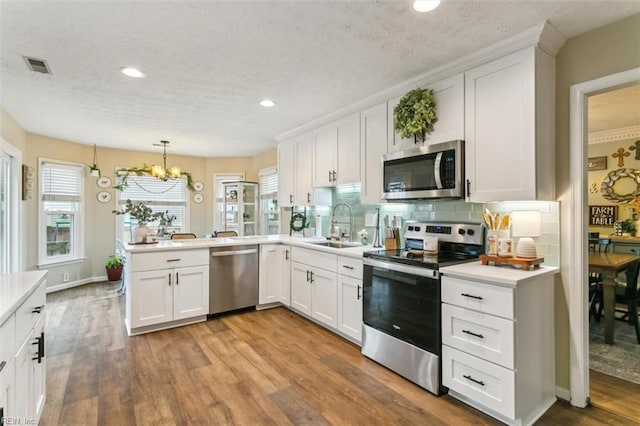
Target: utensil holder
{"type": "Point", "coordinates": [493, 238]}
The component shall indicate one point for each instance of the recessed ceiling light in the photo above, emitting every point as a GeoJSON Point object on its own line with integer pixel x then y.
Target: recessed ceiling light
{"type": "Point", "coordinates": [132, 72]}
{"type": "Point", "coordinates": [267, 103]}
{"type": "Point", "coordinates": [425, 5]}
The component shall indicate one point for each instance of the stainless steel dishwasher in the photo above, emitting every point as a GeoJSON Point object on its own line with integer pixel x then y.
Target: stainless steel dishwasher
{"type": "Point", "coordinates": [233, 278]}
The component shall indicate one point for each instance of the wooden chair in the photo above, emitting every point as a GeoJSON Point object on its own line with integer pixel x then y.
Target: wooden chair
{"type": "Point", "coordinates": [598, 244]}
{"type": "Point", "coordinates": [183, 236]}
{"type": "Point", "coordinates": [628, 295]}
{"type": "Point", "coordinates": [222, 234]}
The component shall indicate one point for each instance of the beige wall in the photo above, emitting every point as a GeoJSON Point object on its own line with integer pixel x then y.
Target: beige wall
{"type": "Point", "coordinates": [12, 132]}
{"type": "Point", "coordinates": [99, 221]}
{"type": "Point", "coordinates": [603, 51]}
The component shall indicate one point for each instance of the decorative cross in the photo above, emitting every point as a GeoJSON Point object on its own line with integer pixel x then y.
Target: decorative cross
{"type": "Point", "coordinates": [636, 147]}
{"type": "Point", "coordinates": [620, 154]}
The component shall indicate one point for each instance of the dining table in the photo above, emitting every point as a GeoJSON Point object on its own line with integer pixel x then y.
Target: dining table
{"type": "Point", "coordinates": [609, 265]}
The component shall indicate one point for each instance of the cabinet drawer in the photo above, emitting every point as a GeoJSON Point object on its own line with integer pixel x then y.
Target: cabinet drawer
{"type": "Point", "coordinates": [350, 267]}
{"type": "Point", "coordinates": [485, 336]}
{"type": "Point", "coordinates": [319, 259]}
{"type": "Point", "coordinates": [168, 259]}
{"type": "Point", "coordinates": [487, 298]}
{"type": "Point", "coordinates": [8, 347]}
{"type": "Point", "coordinates": [486, 383]}
{"type": "Point", "coordinates": [30, 312]}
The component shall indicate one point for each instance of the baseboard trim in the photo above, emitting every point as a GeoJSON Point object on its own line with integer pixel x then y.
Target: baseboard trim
{"type": "Point", "coordinates": [562, 393]}
{"type": "Point", "coordinates": [76, 283]}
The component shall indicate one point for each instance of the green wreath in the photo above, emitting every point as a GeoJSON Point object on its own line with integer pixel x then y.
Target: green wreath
{"type": "Point", "coordinates": [415, 114]}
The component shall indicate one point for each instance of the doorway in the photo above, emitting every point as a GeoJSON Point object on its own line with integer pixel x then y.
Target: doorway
{"type": "Point", "coordinates": [613, 128]}
{"type": "Point", "coordinates": [578, 310]}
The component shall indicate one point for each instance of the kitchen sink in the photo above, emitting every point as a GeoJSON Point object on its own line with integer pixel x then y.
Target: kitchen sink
{"type": "Point", "coordinates": [335, 244]}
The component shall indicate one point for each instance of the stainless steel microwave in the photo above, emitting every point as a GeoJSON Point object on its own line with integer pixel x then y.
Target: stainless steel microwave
{"type": "Point", "coordinates": [425, 172]}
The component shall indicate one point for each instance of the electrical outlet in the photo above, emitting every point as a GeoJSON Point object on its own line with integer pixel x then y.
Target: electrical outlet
{"type": "Point", "coordinates": [370, 219]}
{"type": "Point", "coordinates": [65, 277]}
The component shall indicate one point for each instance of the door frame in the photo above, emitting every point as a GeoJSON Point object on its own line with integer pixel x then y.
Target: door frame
{"type": "Point", "coordinates": [578, 309]}
{"type": "Point", "coordinates": [15, 213]}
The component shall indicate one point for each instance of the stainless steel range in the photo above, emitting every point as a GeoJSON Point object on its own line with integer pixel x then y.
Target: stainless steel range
{"type": "Point", "coordinates": [401, 298]}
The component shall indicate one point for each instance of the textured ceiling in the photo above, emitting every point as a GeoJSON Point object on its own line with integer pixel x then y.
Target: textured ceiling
{"type": "Point", "coordinates": [616, 109]}
{"type": "Point", "coordinates": [208, 64]}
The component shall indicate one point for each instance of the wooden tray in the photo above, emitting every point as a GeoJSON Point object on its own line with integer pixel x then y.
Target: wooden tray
{"type": "Point", "coordinates": [525, 263]}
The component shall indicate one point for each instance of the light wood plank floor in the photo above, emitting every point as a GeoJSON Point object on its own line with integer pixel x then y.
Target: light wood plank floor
{"type": "Point", "coordinates": [266, 367]}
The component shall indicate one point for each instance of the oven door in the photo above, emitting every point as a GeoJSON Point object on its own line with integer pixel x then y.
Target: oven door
{"type": "Point", "coordinates": [404, 302]}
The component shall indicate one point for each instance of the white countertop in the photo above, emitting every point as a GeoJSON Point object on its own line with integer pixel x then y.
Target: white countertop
{"type": "Point", "coordinates": [504, 274]}
{"type": "Point", "coordinates": [167, 245]}
{"type": "Point", "coordinates": [15, 289]}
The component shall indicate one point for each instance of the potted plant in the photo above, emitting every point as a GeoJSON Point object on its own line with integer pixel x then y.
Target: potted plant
{"type": "Point", "coordinates": [143, 214]}
{"type": "Point", "coordinates": [628, 227]}
{"type": "Point", "coordinates": [415, 114]}
{"type": "Point", "coordinates": [114, 267]}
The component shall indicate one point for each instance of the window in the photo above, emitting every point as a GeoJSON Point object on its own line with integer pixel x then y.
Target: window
{"type": "Point", "coordinates": [218, 213]}
{"type": "Point", "coordinates": [269, 201]}
{"type": "Point", "coordinates": [61, 206]}
{"type": "Point", "coordinates": [10, 224]}
{"type": "Point", "coordinates": [162, 196]}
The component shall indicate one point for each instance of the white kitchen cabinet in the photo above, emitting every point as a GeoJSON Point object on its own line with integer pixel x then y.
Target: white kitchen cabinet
{"type": "Point", "coordinates": [23, 390]}
{"type": "Point", "coordinates": [166, 289]}
{"type": "Point", "coordinates": [497, 341]}
{"type": "Point", "coordinates": [275, 273]}
{"type": "Point", "coordinates": [295, 179]}
{"type": "Point", "coordinates": [509, 138]}
{"type": "Point", "coordinates": [336, 149]}
{"type": "Point", "coordinates": [448, 95]}
{"type": "Point", "coordinates": [350, 298]}
{"type": "Point", "coordinates": [314, 285]}
{"type": "Point", "coordinates": [373, 145]}
{"type": "Point", "coordinates": [286, 172]}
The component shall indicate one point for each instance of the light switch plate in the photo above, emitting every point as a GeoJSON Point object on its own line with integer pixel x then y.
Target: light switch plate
{"type": "Point", "coordinates": [370, 219]}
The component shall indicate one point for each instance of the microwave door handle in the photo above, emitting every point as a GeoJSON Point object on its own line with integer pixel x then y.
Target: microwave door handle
{"type": "Point", "coordinates": [436, 170]}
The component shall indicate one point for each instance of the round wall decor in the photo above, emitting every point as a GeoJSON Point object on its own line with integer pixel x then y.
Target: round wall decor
{"type": "Point", "coordinates": [197, 198]}
{"type": "Point", "coordinates": [608, 185]}
{"type": "Point", "coordinates": [103, 182]}
{"type": "Point", "coordinates": [198, 186]}
{"type": "Point", "coordinates": [104, 196]}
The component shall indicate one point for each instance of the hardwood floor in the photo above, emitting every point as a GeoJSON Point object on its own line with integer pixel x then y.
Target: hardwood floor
{"type": "Point", "coordinates": [265, 367]}
{"type": "Point", "coordinates": [615, 395]}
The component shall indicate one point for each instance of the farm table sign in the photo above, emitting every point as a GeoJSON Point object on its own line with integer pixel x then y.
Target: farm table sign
{"type": "Point", "coordinates": [603, 215]}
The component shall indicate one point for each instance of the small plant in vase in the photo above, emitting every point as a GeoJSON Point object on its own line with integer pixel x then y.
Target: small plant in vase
{"type": "Point", "coordinates": [114, 266]}
{"type": "Point", "coordinates": [628, 227]}
{"type": "Point", "coordinates": [142, 214]}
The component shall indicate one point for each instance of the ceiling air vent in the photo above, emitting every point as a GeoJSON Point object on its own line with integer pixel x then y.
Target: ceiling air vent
{"type": "Point", "coordinates": [37, 65]}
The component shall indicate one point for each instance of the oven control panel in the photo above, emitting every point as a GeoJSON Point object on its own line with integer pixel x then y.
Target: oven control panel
{"type": "Point", "coordinates": [465, 233]}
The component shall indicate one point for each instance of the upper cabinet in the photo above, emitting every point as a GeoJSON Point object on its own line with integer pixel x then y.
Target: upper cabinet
{"type": "Point", "coordinates": [286, 172]}
{"type": "Point", "coordinates": [448, 95]}
{"type": "Point", "coordinates": [336, 151]}
{"type": "Point", "coordinates": [509, 133]}
{"type": "Point", "coordinates": [373, 144]}
{"type": "Point", "coordinates": [295, 163]}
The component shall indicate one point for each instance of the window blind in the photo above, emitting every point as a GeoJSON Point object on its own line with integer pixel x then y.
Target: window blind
{"type": "Point", "coordinates": [268, 183]}
{"type": "Point", "coordinates": [61, 182]}
{"type": "Point", "coordinates": [153, 190]}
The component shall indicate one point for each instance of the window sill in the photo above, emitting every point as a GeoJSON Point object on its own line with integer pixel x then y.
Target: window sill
{"type": "Point", "coordinates": [45, 265]}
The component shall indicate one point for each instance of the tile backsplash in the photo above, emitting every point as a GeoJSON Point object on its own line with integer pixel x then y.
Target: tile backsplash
{"type": "Point", "coordinates": [547, 244]}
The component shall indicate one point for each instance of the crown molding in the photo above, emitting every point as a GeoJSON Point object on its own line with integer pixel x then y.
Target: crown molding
{"type": "Point", "coordinates": [544, 36]}
{"type": "Point", "coordinates": [614, 135]}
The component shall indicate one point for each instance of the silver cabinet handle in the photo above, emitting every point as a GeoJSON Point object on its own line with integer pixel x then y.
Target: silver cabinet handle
{"type": "Point", "coordinates": [311, 281]}
{"type": "Point", "coordinates": [286, 255]}
{"type": "Point", "coordinates": [347, 267]}
{"type": "Point", "coordinates": [233, 253]}
{"type": "Point", "coordinates": [291, 198]}
{"type": "Point", "coordinates": [174, 260]}
{"type": "Point", "coordinates": [329, 175]}
{"type": "Point", "coordinates": [308, 275]}
{"type": "Point", "coordinates": [309, 197]}
{"type": "Point", "coordinates": [334, 176]}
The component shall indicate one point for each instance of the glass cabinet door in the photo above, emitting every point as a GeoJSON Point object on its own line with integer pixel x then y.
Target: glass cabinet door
{"type": "Point", "coordinates": [241, 207]}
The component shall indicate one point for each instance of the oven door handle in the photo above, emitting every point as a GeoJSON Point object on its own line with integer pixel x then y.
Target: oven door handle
{"type": "Point", "coordinates": [398, 267]}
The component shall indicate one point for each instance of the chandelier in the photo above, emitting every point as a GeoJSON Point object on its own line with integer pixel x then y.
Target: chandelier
{"type": "Point", "coordinates": [162, 172]}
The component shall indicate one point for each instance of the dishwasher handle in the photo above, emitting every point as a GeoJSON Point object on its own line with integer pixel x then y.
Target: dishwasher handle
{"type": "Point", "coordinates": [233, 253]}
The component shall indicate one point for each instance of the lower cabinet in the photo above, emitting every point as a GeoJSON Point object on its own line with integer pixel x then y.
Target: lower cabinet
{"type": "Point", "coordinates": [169, 295]}
{"type": "Point", "coordinates": [350, 298]}
{"type": "Point", "coordinates": [23, 362]}
{"type": "Point", "coordinates": [497, 344]}
{"type": "Point", "coordinates": [275, 272]}
{"type": "Point", "coordinates": [166, 289]}
{"type": "Point", "coordinates": [313, 289]}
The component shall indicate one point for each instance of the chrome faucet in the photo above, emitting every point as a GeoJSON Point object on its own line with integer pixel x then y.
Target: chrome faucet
{"type": "Point", "coordinates": [335, 233]}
